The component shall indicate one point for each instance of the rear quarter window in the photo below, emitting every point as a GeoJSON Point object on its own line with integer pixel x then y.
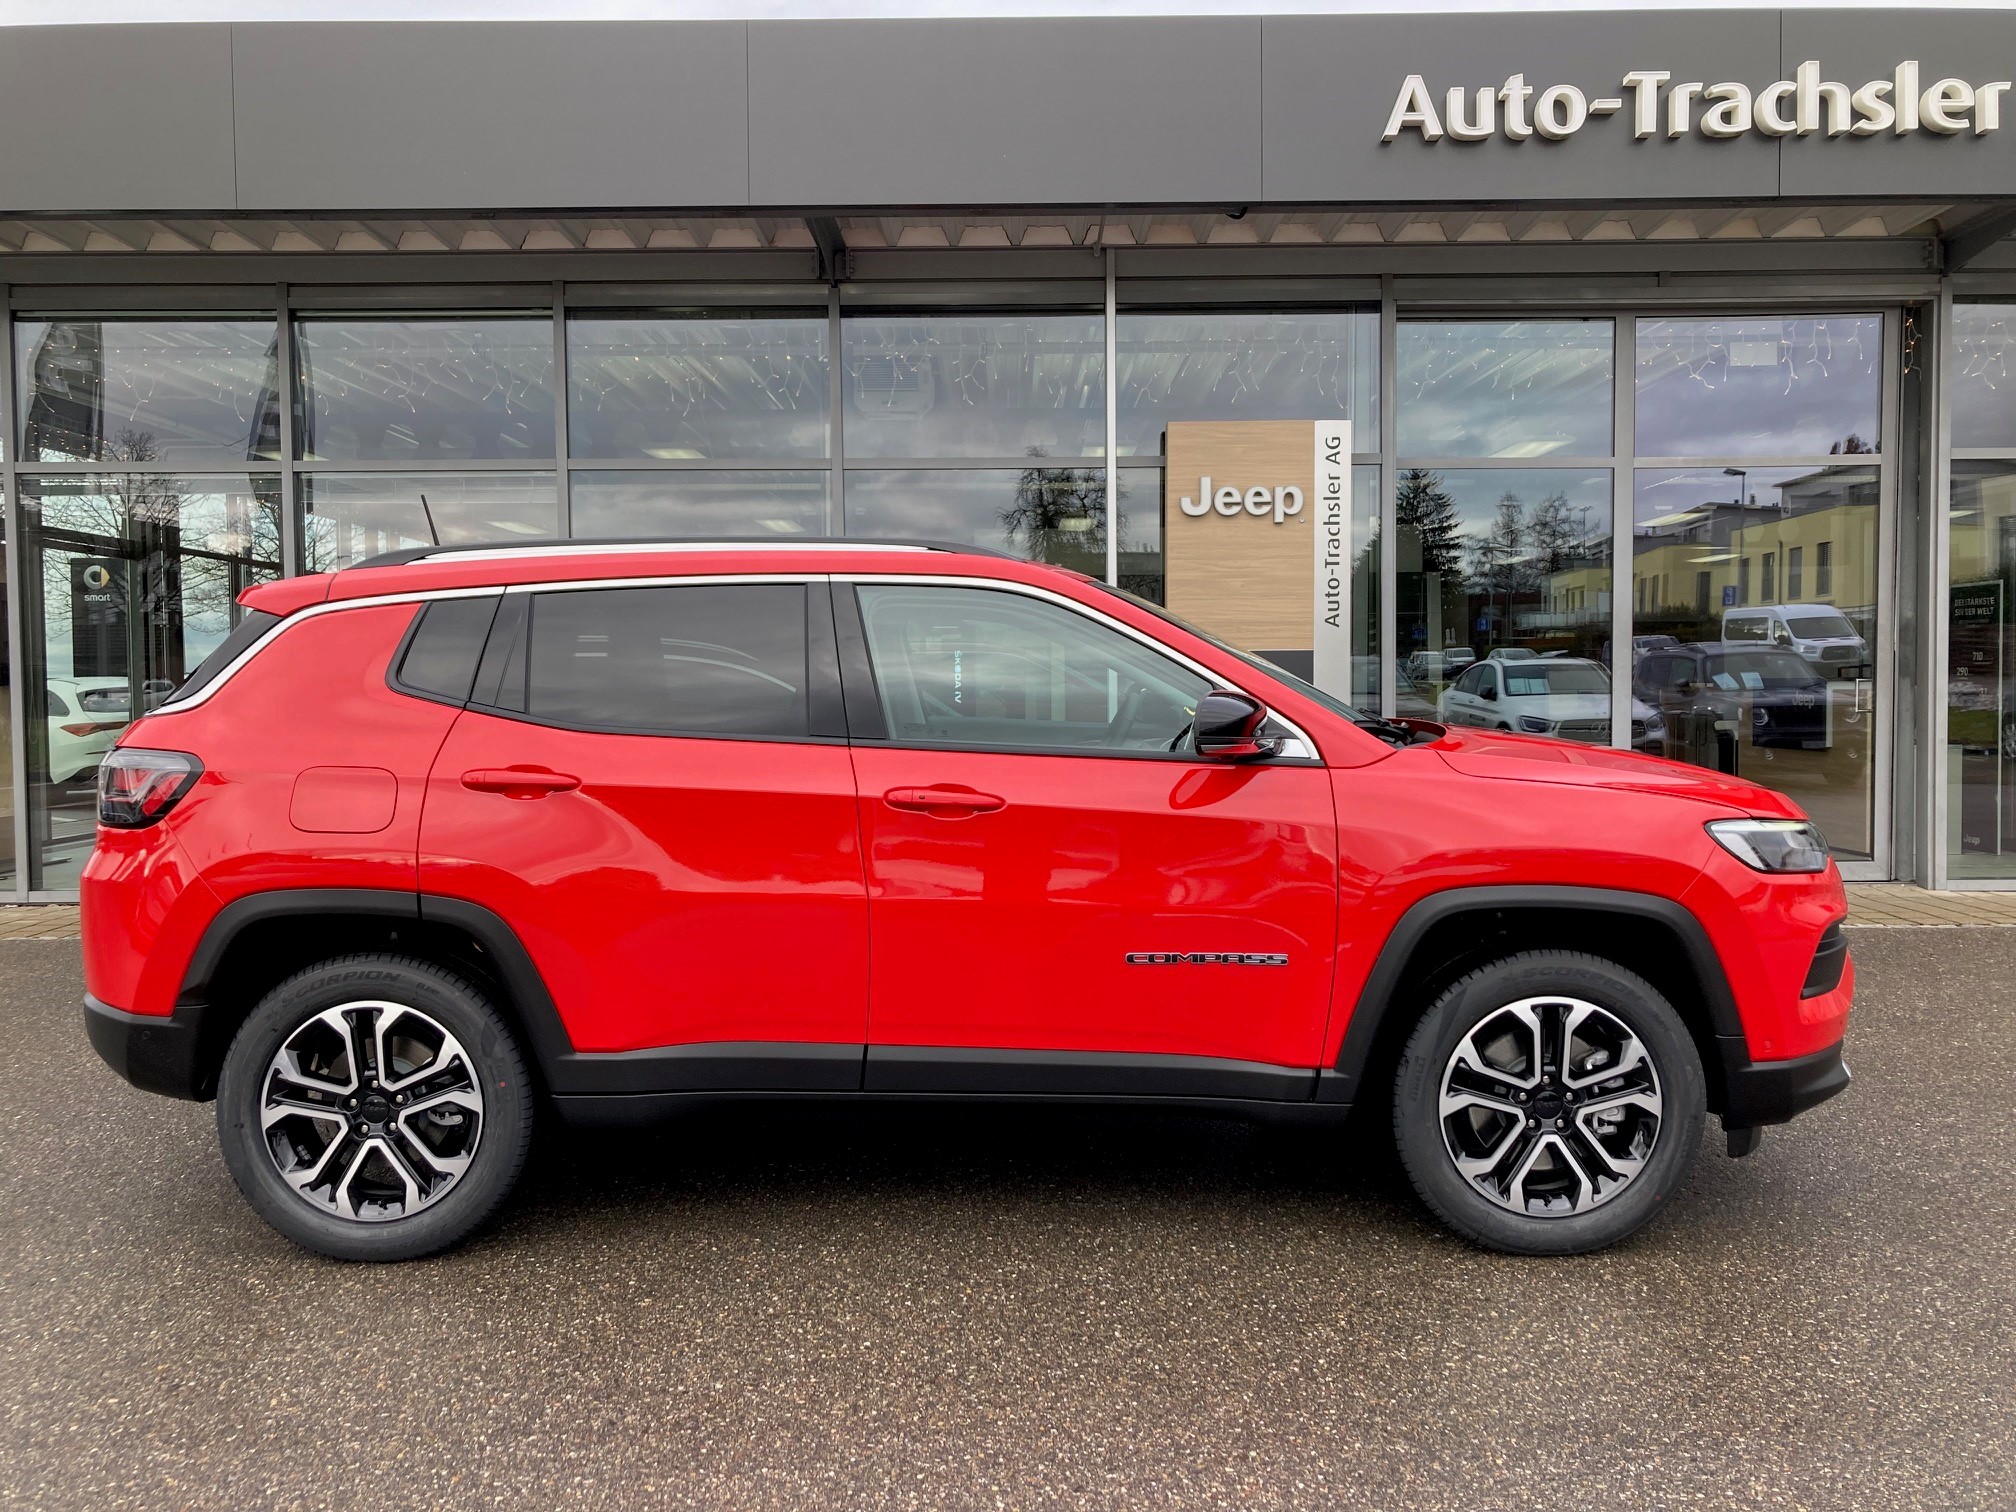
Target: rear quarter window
{"type": "Point", "coordinates": [444, 646]}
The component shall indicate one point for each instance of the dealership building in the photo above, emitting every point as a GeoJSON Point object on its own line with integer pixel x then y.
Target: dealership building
{"type": "Point", "coordinates": [1637, 377]}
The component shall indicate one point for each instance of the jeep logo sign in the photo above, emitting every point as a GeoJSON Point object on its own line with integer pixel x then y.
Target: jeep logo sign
{"type": "Point", "coordinates": [1281, 501]}
{"type": "Point", "coordinates": [1800, 106]}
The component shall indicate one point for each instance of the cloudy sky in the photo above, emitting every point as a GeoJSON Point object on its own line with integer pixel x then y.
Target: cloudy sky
{"type": "Point", "coordinates": [47, 12]}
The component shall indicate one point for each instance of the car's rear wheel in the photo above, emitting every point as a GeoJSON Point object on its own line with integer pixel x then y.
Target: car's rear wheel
{"type": "Point", "coordinates": [1549, 1104]}
{"type": "Point", "coordinates": [374, 1107]}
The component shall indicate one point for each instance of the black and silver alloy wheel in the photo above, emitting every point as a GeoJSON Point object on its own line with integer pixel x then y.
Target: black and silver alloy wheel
{"type": "Point", "coordinates": [371, 1111]}
{"type": "Point", "coordinates": [1550, 1106]}
{"type": "Point", "coordinates": [1549, 1103]}
{"type": "Point", "coordinates": [375, 1107]}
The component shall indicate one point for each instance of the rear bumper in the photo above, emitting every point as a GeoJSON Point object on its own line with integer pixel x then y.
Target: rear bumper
{"type": "Point", "coordinates": [155, 1053]}
{"type": "Point", "coordinates": [1772, 1092]}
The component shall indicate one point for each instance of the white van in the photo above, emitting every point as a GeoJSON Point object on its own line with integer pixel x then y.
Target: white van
{"type": "Point", "coordinates": [1819, 633]}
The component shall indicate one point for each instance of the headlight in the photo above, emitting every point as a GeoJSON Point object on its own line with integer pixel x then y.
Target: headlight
{"type": "Point", "coordinates": [1772, 845]}
{"type": "Point", "coordinates": [1534, 725]}
{"type": "Point", "coordinates": [1655, 724]}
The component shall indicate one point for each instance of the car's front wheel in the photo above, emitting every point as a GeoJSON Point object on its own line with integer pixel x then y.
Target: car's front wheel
{"type": "Point", "coordinates": [374, 1107]}
{"type": "Point", "coordinates": [1549, 1103]}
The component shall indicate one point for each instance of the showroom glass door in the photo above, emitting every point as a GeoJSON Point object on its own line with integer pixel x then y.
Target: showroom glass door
{"type": "Point", "coordinates": [1763, 475]}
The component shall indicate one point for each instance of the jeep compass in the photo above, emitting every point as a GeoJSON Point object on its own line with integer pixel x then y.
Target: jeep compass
{"type": "Point", "coordinates": [459, 840]}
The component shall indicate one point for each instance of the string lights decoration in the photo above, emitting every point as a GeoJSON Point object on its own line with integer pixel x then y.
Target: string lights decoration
{"type": "Point", "coordinates": [447, 388]}
{"type": "Point", "coordinates": [664, 384]}
{"type": "Point", "coordinates": [1268, 366]}
{"type": "Point", "coordinates": [205, 391]}
{"type": "Point", "coordinates": [1981, 342]}
{"type": "Point", "coordinates": [1002, 370]}
{"type": "Point", "coordinates": [1510, 359]}
{"type": "Point", "coordinates": [1803, 351]}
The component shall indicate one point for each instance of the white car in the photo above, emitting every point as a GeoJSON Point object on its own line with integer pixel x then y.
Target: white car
{"type": "Point", "coordinates": [85, 718]}
{"type": "Point", "coordinates": [1566, 697]}
{"type": "Point", "coordinates": [1818, 633]}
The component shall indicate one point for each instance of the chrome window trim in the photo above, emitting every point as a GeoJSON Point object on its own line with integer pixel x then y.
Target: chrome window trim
{"type": "Point", "coordinates": [202, 695]}
{"type": "Point", "coordinates": [485, 590]}
{"type": "Point", "coordinates": [1302, 747]}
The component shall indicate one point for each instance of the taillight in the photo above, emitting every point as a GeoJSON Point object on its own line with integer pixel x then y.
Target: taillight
{"type": "Point", "coordinates": [136, 787]}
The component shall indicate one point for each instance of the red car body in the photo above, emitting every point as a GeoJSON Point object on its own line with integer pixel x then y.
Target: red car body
{"type": "Point", "coordinates": [669, 915]}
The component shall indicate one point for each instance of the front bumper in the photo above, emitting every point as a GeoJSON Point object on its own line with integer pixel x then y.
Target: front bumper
{"type": "Point", "coordinates": [155, 1053]}
{"type": "Point", "coordinates": [1758, 1093]}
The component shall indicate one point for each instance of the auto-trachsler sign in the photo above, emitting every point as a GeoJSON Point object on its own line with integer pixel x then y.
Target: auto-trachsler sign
{"type": "Point", "coordinates": [1659, 106]}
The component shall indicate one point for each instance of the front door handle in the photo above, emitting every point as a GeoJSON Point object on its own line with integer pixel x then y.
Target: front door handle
{"type": "Point", "coordinates": [943, 802]}
{"type": "Point", "coordinates": [519, 782]}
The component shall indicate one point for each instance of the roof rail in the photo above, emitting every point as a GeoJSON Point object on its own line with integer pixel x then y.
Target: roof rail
{"type": "Point", "coordinates": [555, 546]}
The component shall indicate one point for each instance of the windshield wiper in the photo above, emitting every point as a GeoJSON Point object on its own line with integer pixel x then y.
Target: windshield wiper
{"type": "Point", "coordinates": [1391, 729]}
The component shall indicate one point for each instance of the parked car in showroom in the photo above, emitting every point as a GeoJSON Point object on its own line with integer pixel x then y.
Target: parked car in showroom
{"type": "Point", "coordinates": [1565, 697]}
{"type": "Point", "coordinates": [459, 840]}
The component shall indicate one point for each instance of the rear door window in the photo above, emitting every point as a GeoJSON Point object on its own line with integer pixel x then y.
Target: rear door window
{"type": "Point", "coordinates": [710, 659]}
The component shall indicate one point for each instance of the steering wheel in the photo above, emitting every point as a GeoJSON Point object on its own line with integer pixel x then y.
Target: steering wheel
{"type": "Point", "coordinates": [1121, 725]}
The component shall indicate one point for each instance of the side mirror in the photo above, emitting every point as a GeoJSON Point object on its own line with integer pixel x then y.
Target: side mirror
{"type": "Point", "coordinates": [1490, 691]}
{"type": "Point", "coordinates": [1227, 725]}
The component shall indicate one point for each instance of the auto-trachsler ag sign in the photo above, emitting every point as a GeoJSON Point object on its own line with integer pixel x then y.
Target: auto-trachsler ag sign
{"type": "Point", "coordinates": [1803, 105]}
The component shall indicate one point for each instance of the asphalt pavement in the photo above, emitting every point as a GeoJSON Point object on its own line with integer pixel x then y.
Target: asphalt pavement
{"type": "Point", "coordinates": [841, 1307]}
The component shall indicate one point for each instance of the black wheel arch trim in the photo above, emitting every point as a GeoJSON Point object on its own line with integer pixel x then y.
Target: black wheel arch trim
{"type": "Point", "coordinates": [174, 1055]}
{"type": "Point", "coordinates": [1340, 1083]}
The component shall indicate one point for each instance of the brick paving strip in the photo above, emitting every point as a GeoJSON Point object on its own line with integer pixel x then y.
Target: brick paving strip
{"type": "Point", "coordinates": [1877, 905]}
{"type": "Point", "coordinates": [38, 921]}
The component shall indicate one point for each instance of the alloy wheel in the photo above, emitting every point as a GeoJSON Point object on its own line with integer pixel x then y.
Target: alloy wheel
{"type": "Point", "coordinates": [1550, 1106]}
{"type": "Point", "coordinates": [371, 1111]}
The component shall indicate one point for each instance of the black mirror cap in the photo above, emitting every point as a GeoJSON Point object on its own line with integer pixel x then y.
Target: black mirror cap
{"type": "Point", "coordinates": [1227, 727]}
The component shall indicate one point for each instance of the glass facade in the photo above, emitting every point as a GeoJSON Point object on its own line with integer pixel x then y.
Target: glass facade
{"type": "Point", "coordinates": [1505, 389]}
{"type": "Point", "coordinates": [1686, 517]}
{"type": "Point", "coordinates": [1980, 620]}
{"type": "Point", "coordinates": [130, 580]}
{"type": "Point", "coordinates": [453, 389]}
{"type": "Point", "coordinates": [1014, 384]}
{"type": "Point", "coordinates": [742, 384]}
{"type": "Point", "coordinates": [1504, 563]}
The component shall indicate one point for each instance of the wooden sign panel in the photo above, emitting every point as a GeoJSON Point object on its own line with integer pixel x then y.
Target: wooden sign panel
{"type": "Point", "coordinates": [1255, 537]}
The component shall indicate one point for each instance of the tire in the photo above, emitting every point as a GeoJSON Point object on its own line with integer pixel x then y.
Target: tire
{"type": "Point", "coordinates": [375, 1181]}
{"type": "Point", "coordinates": [1609, 1156]}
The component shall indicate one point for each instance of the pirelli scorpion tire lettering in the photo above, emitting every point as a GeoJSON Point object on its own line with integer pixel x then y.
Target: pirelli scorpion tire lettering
{"type": "Point", "coordinates": [1549, 1104]}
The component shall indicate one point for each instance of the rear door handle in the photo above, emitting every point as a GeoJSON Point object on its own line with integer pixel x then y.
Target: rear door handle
{"type": "Point", "coordinates": [943, 802]}
{"type": "Point", "coordinates": [519, 782]}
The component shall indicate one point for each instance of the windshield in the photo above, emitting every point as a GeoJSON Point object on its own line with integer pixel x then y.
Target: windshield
{"type": "Point", "coordinates": [1759, 669]}
{"type": "Point", "coordinates": [1820, 627]}
{"type": "Point", "coordinates": [1537, 679]}
{"type": "Point", "coordinates": [1306, 688]}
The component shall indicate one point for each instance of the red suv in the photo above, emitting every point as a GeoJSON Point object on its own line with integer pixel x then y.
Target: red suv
{"type": "Point", "coordinates": [458, 838]}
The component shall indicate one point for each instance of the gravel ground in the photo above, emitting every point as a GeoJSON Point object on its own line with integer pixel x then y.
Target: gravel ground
{"type": "Point", "coordinates": [945, 1308]}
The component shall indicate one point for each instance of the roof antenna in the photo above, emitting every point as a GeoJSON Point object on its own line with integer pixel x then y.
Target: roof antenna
{"type": "Point", "coordinates": [430, 520]}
